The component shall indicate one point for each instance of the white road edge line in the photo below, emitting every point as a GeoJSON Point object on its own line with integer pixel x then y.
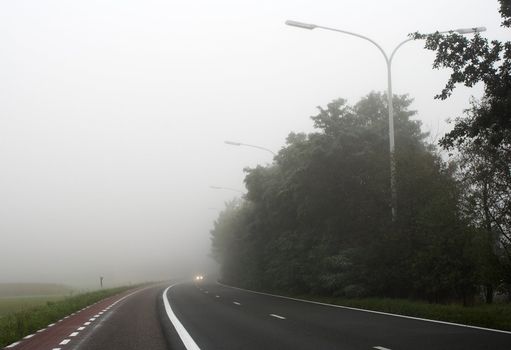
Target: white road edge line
{"type": "Point", "coordinates": [186, 338]}
{"type": "Point", "coordinates": [278, 316]}
{"type": "Point", "coordinates": [370, 311]}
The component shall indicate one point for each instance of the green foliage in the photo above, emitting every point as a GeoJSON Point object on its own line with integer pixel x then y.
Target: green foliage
{"type": "Point", "coordinates": [472, 61]}
{"type": "Point", "coordinates": [318, 219]}
{"type": "Point", "coordinates": [482, 141]}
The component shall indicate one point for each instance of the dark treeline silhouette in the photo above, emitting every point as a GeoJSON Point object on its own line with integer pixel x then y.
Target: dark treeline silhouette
{"type": "Point", "coordinates": [318, 219]}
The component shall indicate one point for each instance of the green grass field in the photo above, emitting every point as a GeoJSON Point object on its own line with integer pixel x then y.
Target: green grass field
{"type": "Point", "coordinates": [16, 304]}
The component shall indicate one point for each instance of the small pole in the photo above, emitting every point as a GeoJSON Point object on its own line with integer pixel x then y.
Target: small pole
{"type": "Point", "coordinates": [101, 281]}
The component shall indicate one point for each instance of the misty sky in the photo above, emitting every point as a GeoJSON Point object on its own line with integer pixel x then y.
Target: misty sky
{"type": "Point", "coordinates": [113, 115]}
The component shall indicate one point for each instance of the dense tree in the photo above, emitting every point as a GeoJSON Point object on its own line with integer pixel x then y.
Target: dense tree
{"type": "Point", "coordinates": [317, 220]}
{"type": "Point", "coordinates": [481, 139]}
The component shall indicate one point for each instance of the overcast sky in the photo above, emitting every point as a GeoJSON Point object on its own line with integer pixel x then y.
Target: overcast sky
{"type": "Point", "coordinates": [113, 115]}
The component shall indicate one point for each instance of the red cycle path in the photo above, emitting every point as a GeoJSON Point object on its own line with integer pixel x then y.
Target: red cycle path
{"type": "Point", "coordinates": [63, 333]}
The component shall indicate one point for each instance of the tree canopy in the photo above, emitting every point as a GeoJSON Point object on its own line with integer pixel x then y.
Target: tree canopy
{"type": "Point", "coordinates": [318, 219]}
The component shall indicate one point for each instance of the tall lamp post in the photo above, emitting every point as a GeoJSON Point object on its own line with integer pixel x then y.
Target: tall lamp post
{"type": "Point", "coordinates": [233, 143]}
{"type": "Point", "coordinates": [388, 61]}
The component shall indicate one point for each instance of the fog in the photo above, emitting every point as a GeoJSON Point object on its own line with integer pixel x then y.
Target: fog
{"type": "Point", "coordinates": [113, 116]}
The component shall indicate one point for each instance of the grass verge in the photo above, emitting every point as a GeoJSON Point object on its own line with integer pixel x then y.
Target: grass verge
{"type": "Point", "coordinates": [14, 326]}
{"type": "Point", "coordinates": [496, 316]}
{"type": "Point", "coordinates": [14, 304]}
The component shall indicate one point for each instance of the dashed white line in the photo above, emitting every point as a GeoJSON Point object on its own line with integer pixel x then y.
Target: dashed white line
{"type": "Point", "coordinates": [92, 319]}
{"type": "Point", "coordinates": [74, 334]}
{"type": "Point", "coordinates": [65, 341]}
{"type": "Point", "coordinates": [55, 349]}
{"type": "Point", "coordinates": [51, 325]}
{"type": "Point", "coordinates": [278, 316]}
{"type": "Point", "coordinates": [217, 296]}
{"type": "Point", "coordinates": [13, 345]}
{"type": "Point", "coordinates": [80, 328]}
{"type": "Point", "coordinates": [380, 348]}
{"type": "Point", "coordinates": [236, 303]}
{"type": "Point", "coordinates": [29, 336]}
{"type": "Point", "coordinates": [86, 323]}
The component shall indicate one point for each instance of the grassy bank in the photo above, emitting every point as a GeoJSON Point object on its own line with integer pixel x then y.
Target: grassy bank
{"type": "Point", "coordinates": [497, 316]}
{"type": "Point", "coordinates": [15, 304]}
{"type": "Point", "coordinates": [16, 325]}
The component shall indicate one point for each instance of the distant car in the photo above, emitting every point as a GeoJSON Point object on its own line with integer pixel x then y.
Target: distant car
{"type": "Point", "coordinates": [199, 277]}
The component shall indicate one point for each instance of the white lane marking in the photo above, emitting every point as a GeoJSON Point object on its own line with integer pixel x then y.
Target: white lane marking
{"type": "Point", "coordinates": [74, 334]}
{"type": "Point", "coordinates": [278, 316]}
{"type": "Point", "coordinates": [92, 319]}
{"type": "Point", "coordinates": [65, 341]}
{"type": "Point", "coordinates": [80, 328]}
{"type": "Point", "coordinates": [217, 296]}
{"type": "Point", "coordinates": [51, 325]}
{"type": "Point", "coordinates": [13, 345]}
{"type": "Point", "coordinates": [206, 292]}
{"type": "Point", "coordinates": [41, 330]}
{"type": "Point", "coordinates": [86, 323]}
{"type": "Point", "coordinates": [29, 336]}
{"type": "Point", "coordinates": [236, 303]}
{"type": "Point", "coordinates": [380, 348]}
{"type": "Point", "coordinates": [55, 349]}
{"type": "Point", "coordinates": [181, 331]}
{"type": "Point", "coordinates": [96, 315]}
{"type": "Point", "coordinates": [370, 311]}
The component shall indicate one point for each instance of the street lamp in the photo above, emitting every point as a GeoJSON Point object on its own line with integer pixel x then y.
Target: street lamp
{"type": "Point", "coordinates": [388, 61]}
{"type": "Point", "coordinates": [226, 188]}
{"type": "Point", "coordinates": [233, 143]}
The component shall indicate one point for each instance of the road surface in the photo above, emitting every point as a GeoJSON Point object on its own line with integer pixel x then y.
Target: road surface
{"type": "Point", "coordinates": [208, 315]}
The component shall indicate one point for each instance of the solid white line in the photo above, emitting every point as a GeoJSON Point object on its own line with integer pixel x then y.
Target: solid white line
{"type": "Point", "coordinates": [13, 345]}
{"type": "Point", "coordinates": [278, 316]}
{"type": "Point", "coordinates": [236, 303]}
{"type": "Point", "coordinates": [380, 348]}
{"type": "Point", "coordinates": [74, 334]}
{"type": "Point", "coordinates": [65, 341]}
{"type": "Point", "coordinates": [186, 338]}
{"type": "Point", "coordinates": [370, 311]}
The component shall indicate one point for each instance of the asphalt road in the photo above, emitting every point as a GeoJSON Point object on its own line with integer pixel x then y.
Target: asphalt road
{"type": "Point", "coordinates": [208, 315]}
{"type": "Point", "coordinates": [219, 317]}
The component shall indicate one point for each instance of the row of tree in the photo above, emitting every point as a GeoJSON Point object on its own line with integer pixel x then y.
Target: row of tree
{"type": "Point", "coordinates": [317, 220]}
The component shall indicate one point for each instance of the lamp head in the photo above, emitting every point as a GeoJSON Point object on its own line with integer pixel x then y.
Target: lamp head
{"type": "Point", "coordinates": [470, 30]}
{"type": "Point", "coordinates": [301, 24]}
